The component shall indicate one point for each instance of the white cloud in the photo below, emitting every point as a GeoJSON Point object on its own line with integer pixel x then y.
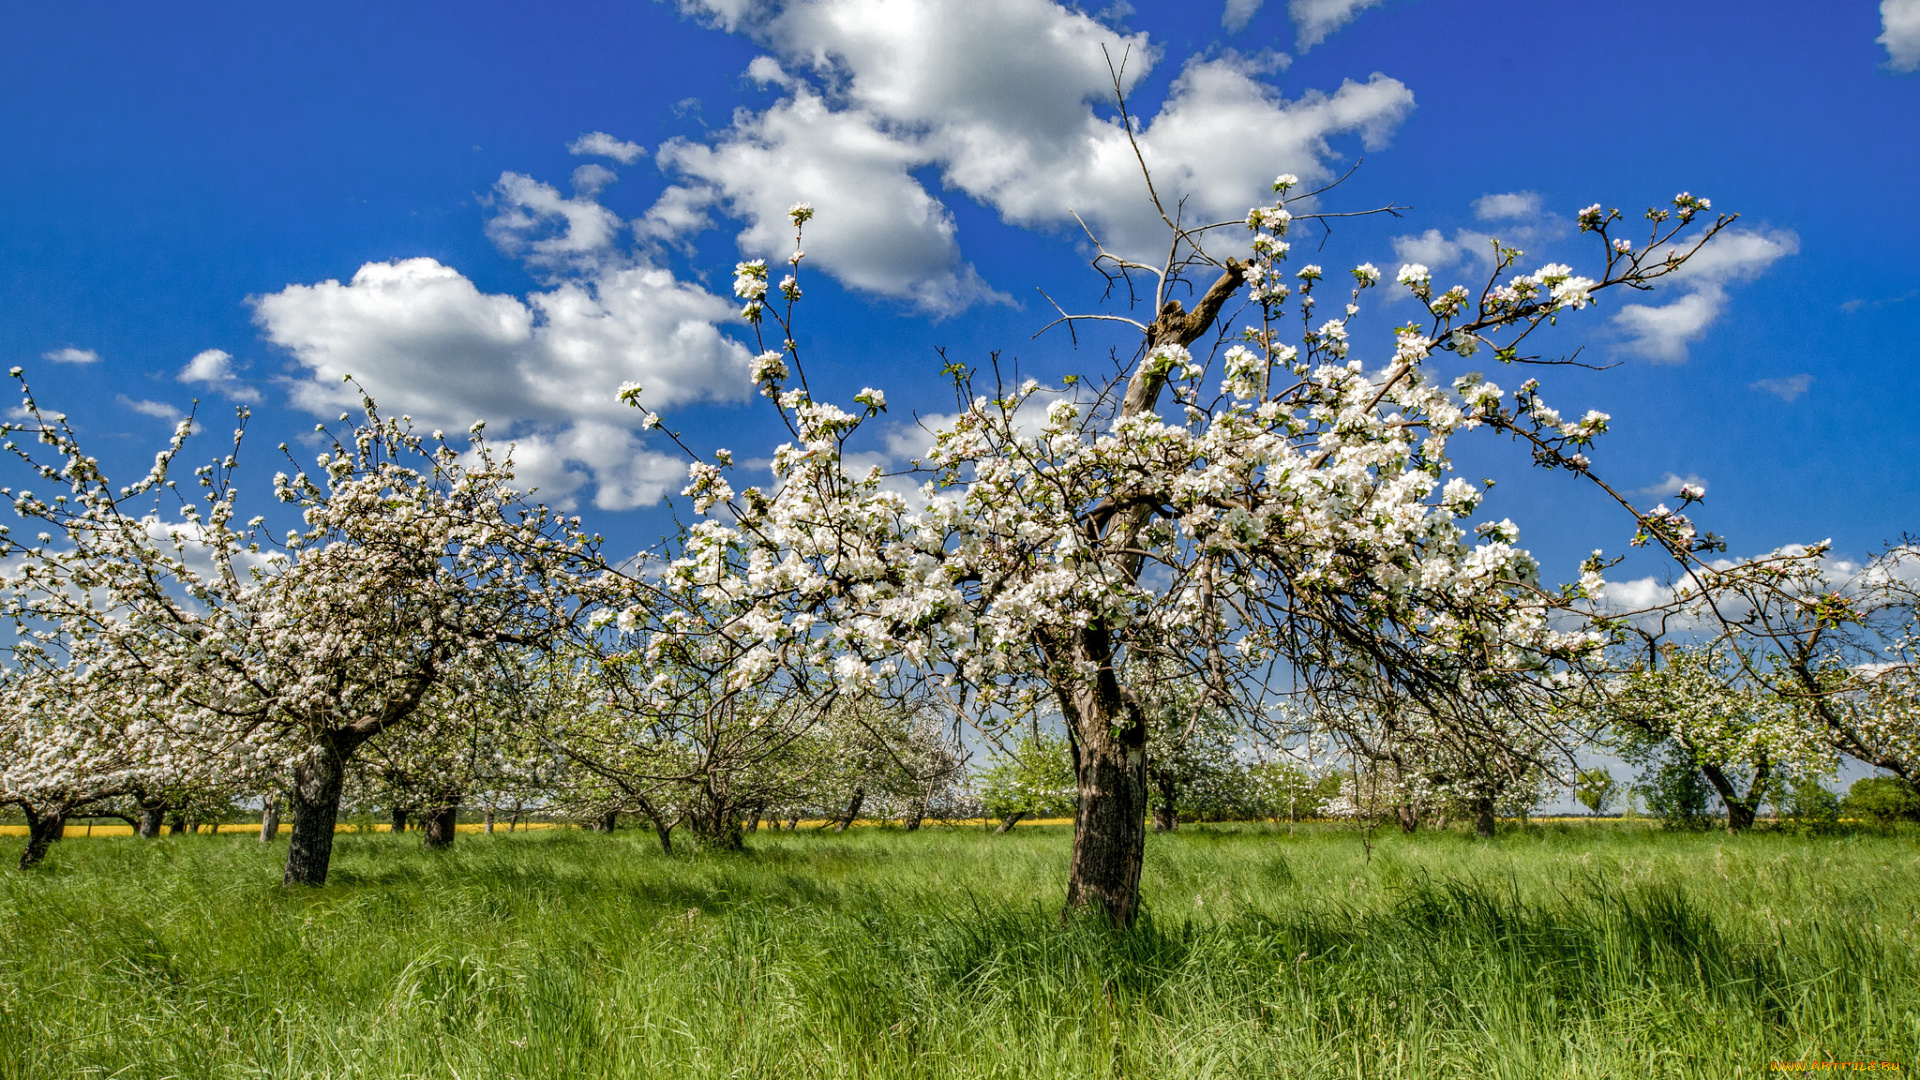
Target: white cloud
{"type": "Point", "coordinates": [1514, 205]}
{"type": "Point", "coordinates": [1669, 486]}
{"type": "Point", "coordinates": [601, 144]}
{"type": "Point", "coordinates": [543, 371]}
{"type": "Point", "coordinates": [1436, 252]}
{"type": "Point", "coordinates": [877, 229]}
{"type": "Point", "coordinates": [525, 208]}
{"type": "Point", "coordinates": [1315, 20]}
{"type": "Point", "coordinates": [158, 409]}
{"type": "Point", "coordinates": [1785, 389]}
{"type": "Point", "coordinates": [1238, 14]}
{"type": "Point", "coordinates": [71, 355]}
{"type": "Point", "coordinates": [1900, 33]}
{"type": "Point", "coordinates": [214, 367]}
{"type": "Point", "coordinates": [999, 96]}
{"type": "Point", "coordinates": [1662, 334]}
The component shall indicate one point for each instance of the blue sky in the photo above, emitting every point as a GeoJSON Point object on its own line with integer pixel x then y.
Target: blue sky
{"type": "Point", "coordinates": [196, 176]}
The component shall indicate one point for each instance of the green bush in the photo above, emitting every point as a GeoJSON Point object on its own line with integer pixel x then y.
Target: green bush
{"type": "Point", "coordinates": [1809, 805]}
{"type": "Point", "coordinates": [1678, 795]}
{"type": "Point", "coordinates": [1882, 799]}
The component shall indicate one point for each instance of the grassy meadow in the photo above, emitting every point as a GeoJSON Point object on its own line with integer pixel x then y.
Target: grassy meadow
{"type": "Point", "coordinates": [1575, 950]}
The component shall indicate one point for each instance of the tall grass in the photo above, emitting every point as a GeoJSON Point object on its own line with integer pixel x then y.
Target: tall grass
{"type": "Point", "coordinates": [1576, 951]}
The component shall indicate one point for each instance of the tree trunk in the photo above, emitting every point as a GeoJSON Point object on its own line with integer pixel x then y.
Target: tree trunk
{"type": "Point", "coordinates": [177, 826]}
{"type": "Point", "coordinates": [487, 821]}
{"type": "Point", "coordinates": [1007, 823]}
{"type": "Point", "coordinates": [42, 831]}
{"type": "Point", "coordinates": [1109, 825]}
{"type": "Point", "coordinates": [440, 824]}
{"type": "Point", "coordinates": [270, 819]}
{"type": "Point", "coordinates": [853, 810]}
{"type": "Point", "coordinates": [793, 822]}
{"type": "Point", "coordinates": [1110, 769]}
{"type": "Point", "coordinates": [916, 813]}
{"type": "Point", "coordinates": [1409, 818]}
{"type": "Point", "coordinates": [662, 828]}
{"type": "Point", "coordinates": [1483, 817]}
{"type": "Point", "coordinates": [753, 822]}
{"type": "Point", "coordinates": [315, 797]}
{"type": "Point", "coordinates": [152, 818]}
{"type": "Point", "coordinates": [1740, 811]}
{"type": "Point", "coordinates": [1166, 812]}
{"type": "Point", "coordinates": [607, 822]}
{"type": "Point", "coordinates": [399, 820]}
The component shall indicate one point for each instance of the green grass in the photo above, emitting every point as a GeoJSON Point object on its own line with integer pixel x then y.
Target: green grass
{"type": "Point", "coordinates": [1564, 951]}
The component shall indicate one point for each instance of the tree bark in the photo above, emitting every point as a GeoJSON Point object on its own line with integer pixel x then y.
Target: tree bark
{"type": "Point", "coordinates": [315, 796]}
{"type": "Point", "coordinates": [42, 830]}
{"type": "Point", "coordinates": [270, 818]}
{"type": "Point", "coordinates": [753, 821]}
{"type": "Point", "coordinates": [177, 826]}
{"type": "Point", "coordinates": [853, 810]}
{"type": "Point", "coordinates": [1109, 826]}
{"type": "Point", "coordinates": [152, 818]}
{"type": "Point", "coordinates": [1483, 817]}
{"type": "Point", "coordinates": [487, 821]}
{"type": "Point", "coordinates": [607, 822]}
{"type": "Point", "coordinates": [1409, 818]}
{"type": "Point", "coordinates": [916, 813]}
{"type": "Point", "coordinates": [793, 822]}
{"type": "Point", "coordinates": [440, 823]}
{"type": "Point", "coordinates": [1007, 823]}
{"type": "Point", "coordinates": [399, 820]}
{"type": "Point", "coordinates": [1110, 768]}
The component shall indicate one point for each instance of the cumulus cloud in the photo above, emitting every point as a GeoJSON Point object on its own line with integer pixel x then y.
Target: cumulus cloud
{"type": "Point", "coordinates": [1669, 486]}
{"type": "Point", "coordinates": [1662, 333]}
{"type": "Point", "coordinates": [1238, 14]}
{"type": "Point", "coordinates": [542, 371]}
{"type": "Point", "coordinates": [999, 97]}
{"type": "Point", "coordinates": [1513, 205]}
{"type": "Point", "coordinates": [1785, 389]}
{"type": "Point", "coordinates": [214, 368]}
{"type": "Point", "coordinates": [601, 144]}
{"type": "Point", "coordinates": [1519, 217]}
{"type": "Point", "coordinates": [1314, 21]}
{"type": "Point", "coordinates": [158, 409]}
{"type": "Point", "coordinates": [1900, 33]}
{"type": "Point", "coordinates": [71, 355]}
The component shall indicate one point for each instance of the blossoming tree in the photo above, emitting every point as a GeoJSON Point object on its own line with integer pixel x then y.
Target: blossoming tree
{"type": "Point", "coordinates": [413, 561]}
{"type": "Point", "coordinates": [1219, 513]}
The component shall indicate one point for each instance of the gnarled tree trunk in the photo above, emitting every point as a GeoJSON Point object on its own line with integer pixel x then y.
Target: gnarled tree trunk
{"type": "Point", "coordinates": [399, 820]}
{"type": "Point", "coordinates": [1166, 811]}
{"type": "Point", "coordinates": [440, 825]}
{"type": "Point", "coordinates": [1483, 816]}
{"type": "Point", "coordinates": [1110, 822]}
{"type": "Point", "coordinates": [315, 797]}
{"type": "Point", "coordinates": [270, 818]}
{"type": "Point", "coordinates": [152, 819]}
{"type": "Point", "coordinates": [916, 813]}
{"type": "Point", "coordinates": [1741, 810]}
{"type": "Point", "coordinates": [1409, 817]}
{"type": "Point", "coordinates": [43, 828]}
{"type": "Point", "coordinates": [853, 810]}
{"type": "Point", "coordinates": [487, 821]}
{"type": "Point", "coordinates": [662, 828]}
{"type": "Point", "coordinates": [1007, 823]}
{"type": "Point", "coordinates": [607, 822]}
